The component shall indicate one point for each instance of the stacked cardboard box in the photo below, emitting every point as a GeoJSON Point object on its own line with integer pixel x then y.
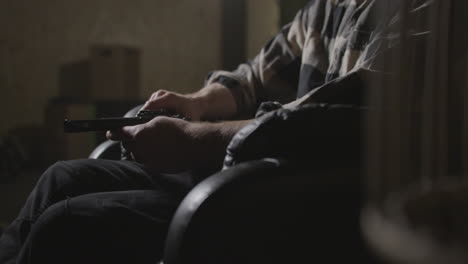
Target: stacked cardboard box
{"type": "Point", "coordinates": [114, 72]}
{"type": "Point", "coordinates": [111, 73]}
{"type": "Point", "coordinates": [104, 85]}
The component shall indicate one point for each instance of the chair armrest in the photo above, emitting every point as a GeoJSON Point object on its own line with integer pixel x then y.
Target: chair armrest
{"type": "Point", "coordinates": [263, 211]}
{"type": "Point", "coordinates": [106, 150]}
{"type": "Point", "coordinates": [178, 238]}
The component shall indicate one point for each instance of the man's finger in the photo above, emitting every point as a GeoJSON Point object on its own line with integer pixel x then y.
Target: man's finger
{"type": "Point", "coordinates": [129, 132]}
{"type": "Point", "coordinates": [166, 101]}
{"type": "Point", "coordinates": [158, 94]}
{"type": "Point", "coordinates": [115, 135]}
{"type": "Point", "coordinates": [124, 134]}
{"type": "Point", "coordinates": [154, 100]}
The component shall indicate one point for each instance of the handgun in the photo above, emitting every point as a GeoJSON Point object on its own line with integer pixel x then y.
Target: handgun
{"type": "Point", "coordinates": [112, 123]}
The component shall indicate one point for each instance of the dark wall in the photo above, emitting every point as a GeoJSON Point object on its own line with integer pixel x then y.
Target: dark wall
{"type": "Point", "coordinates": [289, 9]}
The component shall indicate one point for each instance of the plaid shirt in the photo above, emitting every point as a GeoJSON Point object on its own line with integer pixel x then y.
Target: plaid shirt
{"type": "Point", "coordinates": [321, 56]}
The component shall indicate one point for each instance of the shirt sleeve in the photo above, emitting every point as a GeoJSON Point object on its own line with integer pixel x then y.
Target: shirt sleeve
{"type": "Point", "coordinates": [272, 75]}
{"type": "Point", "coordinates": [353, 87]}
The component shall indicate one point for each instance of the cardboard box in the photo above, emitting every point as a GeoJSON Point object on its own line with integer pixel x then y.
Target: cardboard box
{"type": "Point", "coordinates": [115, 72]}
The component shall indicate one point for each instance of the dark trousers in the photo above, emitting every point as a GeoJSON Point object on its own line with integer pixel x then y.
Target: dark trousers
{"type": "Point", "coordinates": [95, 211]}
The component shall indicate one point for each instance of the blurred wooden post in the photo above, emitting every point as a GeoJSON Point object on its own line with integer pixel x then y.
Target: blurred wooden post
{"type": "Point", "coordinates": [234, 25]}
{"type": "Point", "coordinates": [413, 183]}
{"type": "Point", "coordinates": [263, 22]}
{"type": "Point", "coordinates": [465, 126]}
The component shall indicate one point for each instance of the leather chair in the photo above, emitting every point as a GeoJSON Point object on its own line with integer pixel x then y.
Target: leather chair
{"type": "Point", "coordinates": [267, 211]}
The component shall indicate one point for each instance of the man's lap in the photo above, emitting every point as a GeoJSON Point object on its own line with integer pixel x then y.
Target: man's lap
{"type": "Point", "coordinates": [117, 227]}
{"type": "Point", "coordinates": [89, 209]}
{"type": "Point", "coordinates": [83, 176]}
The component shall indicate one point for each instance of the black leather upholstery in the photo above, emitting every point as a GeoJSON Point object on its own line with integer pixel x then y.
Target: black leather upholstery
{"type": "Point", "coordinates": [269, 211]}
{"type": "Point", "coordinates": [106, 150]}
{"type": "Point", "coordinates": [308, 133]}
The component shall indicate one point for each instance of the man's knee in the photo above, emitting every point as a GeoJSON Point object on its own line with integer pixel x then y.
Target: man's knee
{"type": "Point", "coordinates": [69, 165]}
{"type": "Point", "coordinates": [63, 173]}
{"type": "Point", "coordinates": [58, 174]}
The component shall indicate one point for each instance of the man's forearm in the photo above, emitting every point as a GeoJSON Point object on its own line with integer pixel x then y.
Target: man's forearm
{"type": "Point", "coordinates": [216, 102]}
{"type": "Point", "coordinates": [212, 139]}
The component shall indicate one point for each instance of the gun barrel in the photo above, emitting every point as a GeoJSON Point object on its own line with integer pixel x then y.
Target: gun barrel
{"type": "Point", "coordinates": [102, 124]}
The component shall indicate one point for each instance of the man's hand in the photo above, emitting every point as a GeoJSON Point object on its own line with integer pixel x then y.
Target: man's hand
{"type": "Point", "coordinates": [163, 144]}
{"type": "Point", "coordinates": [185, 105]}
{"type": "Point", "coordinates": [212, 102]}
{"type": "Point", "coordinates": [174, 145]}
